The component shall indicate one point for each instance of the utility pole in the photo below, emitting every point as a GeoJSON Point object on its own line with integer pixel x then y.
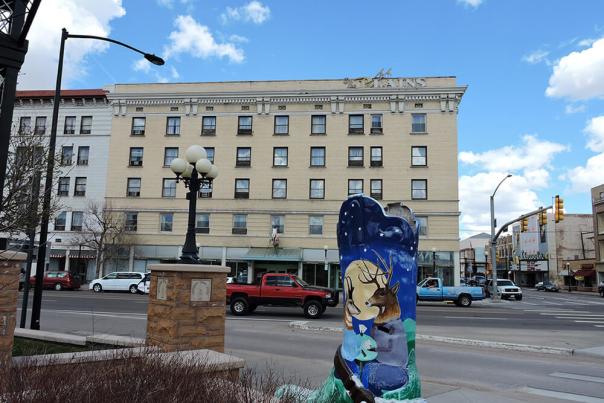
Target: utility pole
{"type": "Point", "coordinates": [35, 196]}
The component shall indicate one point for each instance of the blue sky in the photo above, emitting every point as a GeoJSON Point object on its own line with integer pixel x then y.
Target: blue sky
{"type": "Point", "coordinates": [509, 52]}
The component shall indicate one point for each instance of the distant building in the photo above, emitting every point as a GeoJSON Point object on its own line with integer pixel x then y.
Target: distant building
{"type": "Point", "coordinates": [473, 255]}
{"type": "Point", "coordinates": [597, 198]}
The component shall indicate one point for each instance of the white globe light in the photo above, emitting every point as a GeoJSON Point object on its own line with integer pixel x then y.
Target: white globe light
{"type": "Point", "coordinates": [203, 166]}
{"type": "Point", "coordinates": [213, 172]}
{"type": "Point", "coordinates": [178, 165]}
{"type": "Point", "coordinates": [188, 172]}
{"type": "Point", "coordinates": [195, 153]}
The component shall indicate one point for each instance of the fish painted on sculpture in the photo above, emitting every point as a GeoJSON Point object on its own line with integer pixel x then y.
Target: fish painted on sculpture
{"type": "Point", "coordinates": [378, 255]}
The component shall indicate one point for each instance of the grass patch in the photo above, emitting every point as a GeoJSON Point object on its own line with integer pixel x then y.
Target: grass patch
{"type": "Point", "coordinates": [23, 346]}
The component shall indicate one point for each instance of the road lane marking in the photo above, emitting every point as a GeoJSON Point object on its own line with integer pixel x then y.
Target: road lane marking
{"type": "Point", "coordinates": [561, 395]}
{"type": "Point", "coordinates": [573, 314]}
{"type": "Point", "coordinates": [578, 377]}
{"type": "Point", "coordinates": [475, 317]}
{"type": "Point", "coordinates": [589, 321]}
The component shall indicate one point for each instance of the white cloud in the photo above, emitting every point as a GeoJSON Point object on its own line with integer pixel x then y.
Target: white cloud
{"type": "Point", "coordinates": [142, 65]}
{"type": "Point", "coordinates": [572, 108]}
{"type": "Point", "coordinates": [536, 57]}
{"type": "Point", "coordinates": [470, 3]}
{"type": "Point", "coordinates": [92, 17]}
{"type": "Point", "coordinates": [196, 40]}
{"type": "Point", "coordinates": [585, 43]}
{"type": "Point", "coordinates": [579, 75]}
{"type": "Point", "coordinates": [254, 11]}
{"type": "Point", "coordinates": [170, 3]}
{"type": "Point", "coordinates": [530, 163]}
{"type": "Point", "coordinates": [595, 134]}
{"type": "Point", "coordinates": [238, 38]}
{"type": "Point", "coordinates": [582, 178]}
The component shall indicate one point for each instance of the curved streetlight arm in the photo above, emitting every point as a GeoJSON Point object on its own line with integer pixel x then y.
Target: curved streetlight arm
{"type": "Point", "coordinates": [503, 180]}
{"type": "Point", "coordinates": [149, 56]}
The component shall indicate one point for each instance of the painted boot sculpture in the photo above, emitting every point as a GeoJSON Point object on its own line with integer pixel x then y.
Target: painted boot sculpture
{"type": "Point", "coordinates": [376, 361]}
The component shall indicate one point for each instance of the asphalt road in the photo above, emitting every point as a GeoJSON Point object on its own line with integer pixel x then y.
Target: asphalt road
{"type": "Point", "coordinates": [267, 342]}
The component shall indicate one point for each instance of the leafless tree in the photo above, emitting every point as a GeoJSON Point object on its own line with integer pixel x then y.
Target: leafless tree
{"type": "Point", "coordinates": [104, 231]}
{"type": "Point", "coordinates": [28, 157]}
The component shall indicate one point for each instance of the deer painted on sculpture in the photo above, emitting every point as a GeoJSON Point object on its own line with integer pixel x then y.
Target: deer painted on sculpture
{"type": "Point", "coordinates": [385, 295]}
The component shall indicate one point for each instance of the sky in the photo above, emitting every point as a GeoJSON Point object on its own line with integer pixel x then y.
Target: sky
{"type": "Point", "coordinates": [534, 107]}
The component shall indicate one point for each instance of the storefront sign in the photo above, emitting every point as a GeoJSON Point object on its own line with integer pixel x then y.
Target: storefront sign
{"type": "Point", "coordinates": [384, 82]}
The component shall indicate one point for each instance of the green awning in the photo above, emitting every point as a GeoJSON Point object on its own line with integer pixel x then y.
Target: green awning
{"type": "Point", "coordinates": [274, 254]}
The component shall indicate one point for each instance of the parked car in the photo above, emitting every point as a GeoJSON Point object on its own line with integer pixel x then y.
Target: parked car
{"type": "Point", "coordinates": [505, 288]}
{"type": "Point", "coordinates": [432, 289]}
{"type": "Point", "coordinates": [58, 280]}
{"type": "Point", "coordinates": [277, 289]}
{"type": "Point", "coordinates": [144, 285]}
{"type": "Point", "coordinates": [546, 286]}
{"type": "Point", "coordinates": [118, 281]}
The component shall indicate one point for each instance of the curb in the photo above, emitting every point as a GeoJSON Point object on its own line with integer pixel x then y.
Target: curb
{"type": "Point", "coordinates": [100, 338]}
{"type": "Point", "coordinates": [593, 353]}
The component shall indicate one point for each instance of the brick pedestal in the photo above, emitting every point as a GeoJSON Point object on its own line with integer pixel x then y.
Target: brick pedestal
{"type": "Point", "coordinates": [10, 268]}
{"type": "Point", "coordinates": [187, 307]}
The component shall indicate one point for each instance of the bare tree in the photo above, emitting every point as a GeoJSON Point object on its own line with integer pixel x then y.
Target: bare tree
{"type": "Point", "coordinates": [28, 157]}
{"type": "Point", "coordinates": [104, 231]}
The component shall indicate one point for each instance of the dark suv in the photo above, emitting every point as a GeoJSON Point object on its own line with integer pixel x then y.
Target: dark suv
{"type": "Point", "coordinates": [58, 280]}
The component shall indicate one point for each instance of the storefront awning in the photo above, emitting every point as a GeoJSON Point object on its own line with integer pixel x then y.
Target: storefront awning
{"type": "Point", "coordinates": [274, 254]}
{"type": "Point", "coordinates": [57, 253]}
{"type": "Point", "coordinates": [84, 254]}
{"type": "Point", "coordinates": [585, 273]}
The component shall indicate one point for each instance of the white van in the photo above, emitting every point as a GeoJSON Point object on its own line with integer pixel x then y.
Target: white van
{"type": "Point", "coordinates": [118, 281]}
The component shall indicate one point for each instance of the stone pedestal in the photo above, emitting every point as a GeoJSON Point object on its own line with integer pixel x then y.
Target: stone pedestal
{"type": "Point", "coordinates": [10, 268]}
{"type": "Point", "coordinates": [187, 307]}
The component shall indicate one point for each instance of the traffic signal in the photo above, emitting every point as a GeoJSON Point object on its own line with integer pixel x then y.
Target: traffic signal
{"type": "Point", "coordinates": [543, 218]}
{"type": "Point", "coordinates": [524, 225]}
{"type": "Point", "coordinates": [558, 209]}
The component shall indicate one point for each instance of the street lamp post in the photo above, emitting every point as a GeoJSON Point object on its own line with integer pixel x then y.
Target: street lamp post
{"type": "Point", "coordinates": [196, 171]}
{"type": "Point", "coordinates": [41, 260]}
{"type": "Point", "coordinates": [494, 241]}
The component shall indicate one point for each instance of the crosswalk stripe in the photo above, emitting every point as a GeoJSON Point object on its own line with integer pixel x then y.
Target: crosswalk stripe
{"type": "Point", "coordinates": [561, 395]}
{"type": "Point", "coordinates": [578, 377]}
{"type": "Point", "coordinates": [599, 325]}
{"type": "Point", "coordinates": [590, 321]}
{"type": "Point", "coordinates": [573, 314]}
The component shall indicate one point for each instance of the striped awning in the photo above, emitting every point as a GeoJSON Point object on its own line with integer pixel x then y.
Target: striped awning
{"type": "Point", "coordinates": [57, 253]}
{"type": "Point", "coordinates": [84, 254]}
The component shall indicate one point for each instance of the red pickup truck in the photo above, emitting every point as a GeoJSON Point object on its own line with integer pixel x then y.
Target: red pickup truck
{"type": "Point", "coordinates": [277, 289]}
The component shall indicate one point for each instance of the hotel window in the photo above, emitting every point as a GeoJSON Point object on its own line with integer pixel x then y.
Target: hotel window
{"type": "Point", "coordinates": [315, 225]}
{"type": "Point", "coordinates": [77, 218]}
{"type": "Point", "coordinates": [165, 222]}
{"type": "Point", "coordinates": [376, 157]}
{"type": "Point", "coordinates": [173, 126]}
{"type": "Point", "coordinates": [60, 221]}
{"type": "Point", "coordinates": [419, 156]}
{"type": "Point", "coordinates": [210, 154]}
{"type": "Point", "coordinates": [86, 125]}
{"type": "Point", "coordinates": [318, 124]}
{"type": "Point", "coordinates": [25, 125]}
{"type": "Point", "coordinates": [279, 188]}
{"type": "Point", "coordinates": [376, 124]}
{"type": "Point", "coordinates": [376, 189]}
{"type": "Point", "coordinates": [131, 222]}
{"type": "Point", "coordinates": [244, 157]}
{"type": "Point", "coordinates": [40, 125]}
{"type": "Point", "coordinates": [138, 126]}
{"type": "Point", "coordinates": [242, 188]}
{"type": "Point", "coordinates": [168, 187]}
{"type": "Point", "coordinates": [63, 189]}
{"type": "Point", "coordinates": [355, 186]}
{"type": "Point", "coordinates": [279, 156]}
{"type": "Point", "coordinates": [355, 156]}
{"type": "Point", "coordinates": [281, 124]}
{"type": "Point", "coordinates": [418, 123]}
{"type": "Point", "coordinates": [80, 187]}
{"type": "Point", "coordinates": [317, 156]}
{"type": "Point", "coordinates": [278, 221]}
{"type": "Point", "coordinates": [136, 157]}
{"type": "Point", "coordinates": [317, 189]}
{"type": "Point", "coordinates": [356, 124]}
{"type": "Point", "coordinates": [423, 225]}
{"type": "Point", "coordinates": [83, 154]}
{"type": "Point", "coordinates": [419, 189]}
{"type": "Point", "coordinates": [170, 153]}
{"type": "Point", "coordinates": [134, 187]}
{"type": "Point", "coordinates": [202, 223]}
{"type": "Point", "coordinates": [245, 125]}
{"type": "Point", "coordinates": [66, 155]}
{"type": "Point", "coordinates": [70, 125]}
{"type": "Point", "coordinates": [239, 224]}
{"type": "Point", "coordinates": [208, 125]}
